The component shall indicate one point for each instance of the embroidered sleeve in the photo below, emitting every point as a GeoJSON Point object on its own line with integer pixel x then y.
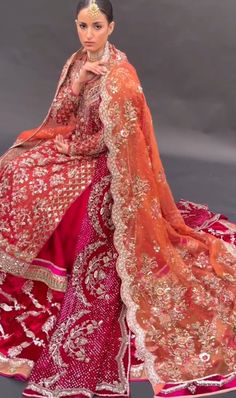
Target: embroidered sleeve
{"type": "Point", "coordinates": [65, 104]}
{"type": "Point", "coordinates": [92, 145]}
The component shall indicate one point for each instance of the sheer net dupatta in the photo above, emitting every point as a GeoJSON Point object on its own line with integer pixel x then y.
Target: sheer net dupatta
{"type": "Point", "coordinates": [55, 122]}
{"type": "Point", "coordinates": [178, 284]}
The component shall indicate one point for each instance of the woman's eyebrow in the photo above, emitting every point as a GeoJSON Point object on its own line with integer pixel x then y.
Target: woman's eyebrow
{"type": "Point", "coordinates": [94, 23]}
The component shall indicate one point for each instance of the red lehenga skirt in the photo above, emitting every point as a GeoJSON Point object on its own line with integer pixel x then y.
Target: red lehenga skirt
{"type": "Point", "coordinates": [73, 344]}
{"type": "Point", "coordinates": [77, 344]}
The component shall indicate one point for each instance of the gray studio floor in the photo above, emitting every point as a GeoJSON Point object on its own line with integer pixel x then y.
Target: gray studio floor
{"type": "Point", "coordinates": [193, 180]}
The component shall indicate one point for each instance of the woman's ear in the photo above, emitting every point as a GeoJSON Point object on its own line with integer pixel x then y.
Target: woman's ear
{"type": "Point", "coordinates": [111, 27]}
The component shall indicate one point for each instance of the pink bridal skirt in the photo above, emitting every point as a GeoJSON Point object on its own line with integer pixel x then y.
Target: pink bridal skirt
{"type": "Point", "coordinates": [76, 343]}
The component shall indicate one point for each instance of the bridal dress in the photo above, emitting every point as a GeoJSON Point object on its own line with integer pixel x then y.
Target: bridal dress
{"type": "Point", "coordinates": [103, 277]}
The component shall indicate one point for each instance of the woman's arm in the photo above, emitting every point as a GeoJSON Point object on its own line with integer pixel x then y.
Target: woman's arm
{"type": "Point", "coordinates": [93, 145]}
{"type": "Point", "coordinates": [66, 103]}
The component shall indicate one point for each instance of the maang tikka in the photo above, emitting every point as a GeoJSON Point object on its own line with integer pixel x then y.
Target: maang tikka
{"type": "Point", "coordinates": [94, 10]}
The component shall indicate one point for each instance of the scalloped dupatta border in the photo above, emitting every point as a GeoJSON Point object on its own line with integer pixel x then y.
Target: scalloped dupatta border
{"type": "Point", "coordinates": [119, 234]}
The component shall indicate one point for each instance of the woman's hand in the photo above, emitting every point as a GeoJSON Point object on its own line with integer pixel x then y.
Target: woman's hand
{"type": "Point", "coordinates": [88, 72]}
{"type": "Point", "coordinates": [61, 145]}
{"type": "Point", "coordinates": [91, 69]}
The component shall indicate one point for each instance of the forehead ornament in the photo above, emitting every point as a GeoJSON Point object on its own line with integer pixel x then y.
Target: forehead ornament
{"type": "Point", "coordinates": [94, 10]}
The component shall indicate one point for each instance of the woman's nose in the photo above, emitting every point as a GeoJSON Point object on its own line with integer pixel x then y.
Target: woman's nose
{"type": "Point", "coordinates": [89, 33]}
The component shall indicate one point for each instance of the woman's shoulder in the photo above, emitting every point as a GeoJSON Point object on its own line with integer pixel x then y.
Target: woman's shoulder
{"type": "Point", "coordinates": [123, 74]}
{"type": "Point", "coordinates": [75, 56]}
{"type": "Point", "coordinates": [119, 61]}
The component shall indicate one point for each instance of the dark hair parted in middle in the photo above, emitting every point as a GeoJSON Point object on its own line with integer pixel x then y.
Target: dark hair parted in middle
{"type": "Point", "coordinates": [105, 7]}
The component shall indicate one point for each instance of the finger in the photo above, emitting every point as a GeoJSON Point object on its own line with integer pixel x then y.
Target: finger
{"type": "Point", "coordinates": [91, 69]}
{"type": "Point", "coordinates": [94, 72]}
{"type": "Point", "coordinates": [102, 68]}
{"type": "Point", "coordinates": [59, 145]}
{"type": "Point", "coordinates": [98, 71]}
{"type": "Point", "coordinates": [58, 138]}
{"type": "Point", "coordinates": [102, 63]}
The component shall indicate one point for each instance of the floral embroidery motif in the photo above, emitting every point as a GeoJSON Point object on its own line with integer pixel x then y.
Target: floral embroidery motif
{"type": "Point", "coordinates": [96, 273]}
{"type": "Point", "coordinates": [58, 339]}
{"type": "Point", "coordinates": [79, 336]}
{"type": "Point", "coordinates": [102, 218]}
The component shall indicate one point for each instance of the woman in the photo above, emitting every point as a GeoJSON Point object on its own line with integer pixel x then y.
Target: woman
{"type": "Point", "coordinates": [101, 276]}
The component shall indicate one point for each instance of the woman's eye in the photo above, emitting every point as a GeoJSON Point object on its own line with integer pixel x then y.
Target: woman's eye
{"type": "Point", "coordinates": [98, 27]}
{"type": "Point", "coordinates": [82, 26]}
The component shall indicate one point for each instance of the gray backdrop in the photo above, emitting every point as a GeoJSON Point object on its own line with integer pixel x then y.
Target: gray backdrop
{"type": "Point", "coordinates": [185, 54]}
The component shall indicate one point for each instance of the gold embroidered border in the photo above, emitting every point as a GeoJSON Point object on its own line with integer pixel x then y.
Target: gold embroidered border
{"type": "Point", "coordinates": [199, 383]}
{"type": "Point", "coordinates": [58, 393]}
{"type": "Point", "coordinates": [11, 367]}
{"type": "Point", "coordinates": [137, 372]}
{"type": "Point", "coordinates": [22, 269]}
{"type": "Point", "coordinates": [122, 386]}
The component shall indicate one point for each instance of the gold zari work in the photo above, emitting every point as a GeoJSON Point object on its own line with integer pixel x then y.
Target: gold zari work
{"type": "Point", "coordinates": [178, 284]}
{"type": "Point", "coordinates": [94, 10]}
{"type": "Point", "coordinates": [165, 266]}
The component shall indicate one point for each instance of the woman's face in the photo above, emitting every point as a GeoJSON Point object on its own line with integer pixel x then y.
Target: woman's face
{"type": "Point", "coordinates": [93, 33]}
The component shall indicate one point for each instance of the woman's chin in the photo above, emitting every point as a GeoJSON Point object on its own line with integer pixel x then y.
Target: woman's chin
{"type": "Point", "coordinates": [91, 47]}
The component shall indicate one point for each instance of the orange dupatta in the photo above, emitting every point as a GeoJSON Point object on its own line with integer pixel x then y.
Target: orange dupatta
{"type": "Point", "coordinates": [178, 284]}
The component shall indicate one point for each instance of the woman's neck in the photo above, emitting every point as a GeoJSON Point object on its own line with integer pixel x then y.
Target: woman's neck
{"type": "Point", "coordinates": [94, 56]}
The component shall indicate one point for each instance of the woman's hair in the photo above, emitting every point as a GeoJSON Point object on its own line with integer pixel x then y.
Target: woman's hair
{"type": "Point", "coordinates": [105, 7]}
